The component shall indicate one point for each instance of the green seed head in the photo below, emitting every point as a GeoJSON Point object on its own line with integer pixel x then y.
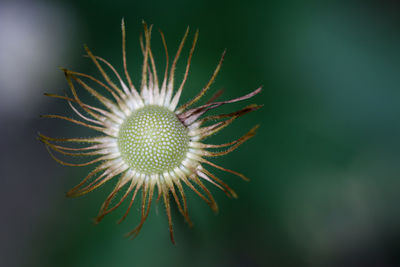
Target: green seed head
{"type": "Point", "coordinates": [152, 140]}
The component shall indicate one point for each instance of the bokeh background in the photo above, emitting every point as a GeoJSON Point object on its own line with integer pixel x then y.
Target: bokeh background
{"type": "Point", "coordinates": [324, 166]}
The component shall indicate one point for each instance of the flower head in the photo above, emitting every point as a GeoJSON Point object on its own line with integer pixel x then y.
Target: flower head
{"type": "Point", "coordinates": [146, 141]}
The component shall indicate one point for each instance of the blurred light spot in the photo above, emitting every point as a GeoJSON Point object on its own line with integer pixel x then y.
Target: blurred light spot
{"type": "Point", "coordinates": [34, 36]}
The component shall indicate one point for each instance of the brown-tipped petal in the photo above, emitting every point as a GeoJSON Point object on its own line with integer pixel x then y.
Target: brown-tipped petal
{"type": "Point", "coordinates": [185, 208]}
{"type": "Point", "coordinates": [147, 35]}
{"type": "Point", "coordinates": [139, 185]}
{"type": "Point", "coordinates": [99, 181]}
{"type": "Point", "coordinates": [80, 74]}
{"type": "Point", "coordinates": [145, 214]}
{"type": "Point", "coordinates": [168, 211]}
{"type": "Point", "coordinates": [141, 42]}
{"type": "Point", "coordinates": [214, 206]}
{"type": "Point", "coordinates": [175, 100]}
{"type": "Point", "coordinates": [189, 184]}
{"type": "Point", "coordinates": [124, 55]}
{"type": "Point", "coordinates": [223, 169]}
{"type": "Point", "coordinates": [106, 114]}
{"type": "Point", "coordinates": [243, 111]}
{"type": "Point", "coordinates": [177, 201]}
{"type": "Point", "coordinates": [99, 168]}
{"type": "Point", "coordinates": [188, 120]}
{"type": "Point", "coordinates": [104, 210]}
{"type": "Point", "coordinates": [117, 168]}
{"type": "Point", "coordinates": [99, 139]}
{"type": "Point", "coordinates": [83, 116]}
{"type": "Point", "coordinates": [102, 99]}
{"type": "Point", "coordinates": [125, 89]}
{"type": "Point", "coordinates": [164, 83]}
{"type": "Point", "coordinates": [170, 86]}
{"type": "Point", "coordinates": [80, 103]}
{"type": "Point", "coordinates": [150, 88]}
{"type": "Point", "coordinates": [103, 73]}
{"type": "Point", "coordinates": [105, 101]}
{"type": "Point", "coordinates": [61, 149]}
{"type": "Point", "coordinates": [159, 189]}
{"type": "Point", "coordinates": [215, 96]}
{"type": "Point", "coordinates": [199, 131]}
{"type": "Point", "coordinates": [98, 147]}
{"type": "Point", "coordinates": [155, 77]}
{"type": "Point", "coordinates": [145, 190]}
{"type": "Point", "coordinates": [99, 129]}
{"type": "Point", "coordinates": [213, 105]}
{"type": "Point", "coordinates": [216, 179]}
{"type": "Point", "coordinates": [204, 90]}
{"type": "Point", "coordinates": [232, 148]}
{"type": "Point", "coordinates": [110, 197]}
{"type": "Point", "coordinates": [170, 186]}
{"type": "Point", "coordinates": [72, 74]}
{"type": "Point", "coordinates": [208, 179]}
{"type": "Point", "coordinates": [210, 130]}
{"type": "Point", "coordinates": [73, 164]}
{"type": "Point", "coordinates": [95, 147]}
{"type": "Point", "coordinates": [250, 133]}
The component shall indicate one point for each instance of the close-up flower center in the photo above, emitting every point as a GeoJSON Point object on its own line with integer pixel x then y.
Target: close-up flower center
{"type": "Point", "coordinates": [148, 140]}
{"type": "Point", "coordinates": [152, 140]}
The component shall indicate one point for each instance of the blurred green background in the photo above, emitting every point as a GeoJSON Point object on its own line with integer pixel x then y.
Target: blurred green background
{"type": "Point", "coordinates": [324, 166]}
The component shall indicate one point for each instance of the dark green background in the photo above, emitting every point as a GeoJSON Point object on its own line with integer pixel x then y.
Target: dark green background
{"type": "Point", "coordinates": [324, 166]}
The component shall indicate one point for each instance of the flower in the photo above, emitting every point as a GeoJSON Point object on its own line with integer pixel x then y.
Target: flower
{"type": "Point", "coordinates": [146, 141]}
